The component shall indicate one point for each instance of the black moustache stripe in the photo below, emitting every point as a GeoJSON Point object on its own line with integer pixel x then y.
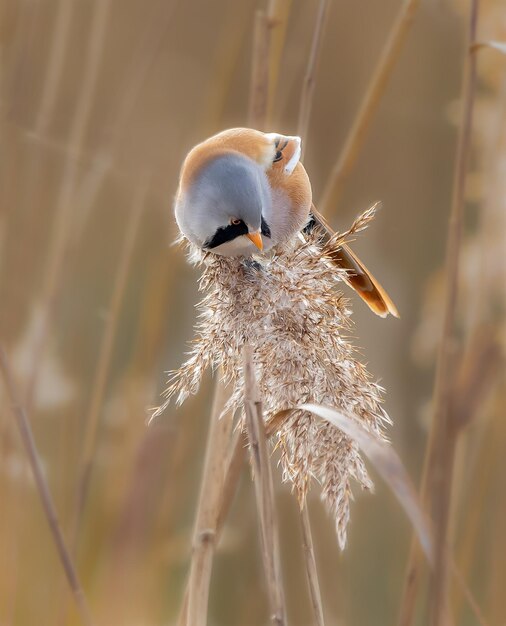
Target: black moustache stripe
{"type": "Point", "coordinates": [310, 226]}
{"type": "Point", "coordinates": [228, 233]}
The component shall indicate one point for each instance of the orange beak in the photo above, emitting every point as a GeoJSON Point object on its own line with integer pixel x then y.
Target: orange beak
{"type": "Point", "coordinates": [256, 238]}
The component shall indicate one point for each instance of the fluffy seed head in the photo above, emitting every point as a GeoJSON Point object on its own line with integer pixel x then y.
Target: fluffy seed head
{"type": "Point", "coordinates": [289, 309]}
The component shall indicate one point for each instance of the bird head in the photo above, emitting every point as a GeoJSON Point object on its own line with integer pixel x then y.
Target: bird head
{"type": "Point", "coordinates": [234, 195]}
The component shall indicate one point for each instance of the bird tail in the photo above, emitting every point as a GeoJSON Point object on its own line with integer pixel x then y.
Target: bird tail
{"type": "Point", "coordinates": [359, 277]}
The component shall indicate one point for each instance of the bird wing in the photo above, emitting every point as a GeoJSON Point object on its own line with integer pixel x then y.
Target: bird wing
{"type": "Point", "coordinates": [359, 277]}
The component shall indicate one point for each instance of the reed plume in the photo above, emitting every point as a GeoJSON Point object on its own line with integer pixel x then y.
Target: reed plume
{"type": "Point", "coordinates": [290, 308]}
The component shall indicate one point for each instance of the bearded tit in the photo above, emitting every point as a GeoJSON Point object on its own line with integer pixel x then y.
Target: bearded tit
{"type": "Point", "coordinates": [243, 192]}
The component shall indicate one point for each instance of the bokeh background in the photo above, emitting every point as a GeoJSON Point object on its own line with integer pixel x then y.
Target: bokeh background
{"type": "Point", "coordinates": [100, 101]}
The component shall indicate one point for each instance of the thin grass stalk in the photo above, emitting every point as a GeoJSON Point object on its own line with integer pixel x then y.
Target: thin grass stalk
{"type": "Point", "coordinates": [103, 367]}
{"type": "Point", "coordinates": [50, 88]}
{"type": "Point", "coordinates": [445, 418]}
{"type": "Point", "coordinates": [231, 478]}
{"type": "Point", "coordinates": [50, 85]}
{"type": "Point", "coordinates": [467, 594]}
{"type": "Point", "coordinates": [264, 490]}
{"type": "Point", "coordinates": [496, 551]}
{"type": "Point", "coordinates": [102, 165]}
{"type": "Point", "coordinates": [259, 88]}
{"type": "Point", "coordinates": [44, 492]}
{"type": "Point", "coordinates": [308, 86]}
{"type": "Point", "coordinates": [147, 46]}
{"type": "Point", "coordinates": [60, 236]}
{"type": "Point", "coordinates": [483, 358]}
{"type": "Point", "coordinates": [278, 12]}
{"type": "Point", "coordinates": [204, 536]}
{"type": "Point", "coordinates": [484, 282]}
{"type": "Point", "coordinates": [14, 76]}
{"type": "Point", "coordinates": [257, 117]}
{"type": "Point", "coordinates": [478, 375]}
{"type": "Point", "coordinates": [473, 519]}
{"type": "Point", "coordinates": [234, 466]}
{"type": "Point", "coordinates": [311, 570]}
{"type": "Point", "coordinates": [440, 451]}
{"type": "Point", "coordinates": [55, 66]}
{"type": "Point", "coordinates": [233, 471]}
{"type": "Point", "coordinates": [10, 520]}
{"type": "Point", "coordinates": [358, 131]}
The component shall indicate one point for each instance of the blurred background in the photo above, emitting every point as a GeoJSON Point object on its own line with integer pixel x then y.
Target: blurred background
{"type": "Point", "coordinates": [100, 102]}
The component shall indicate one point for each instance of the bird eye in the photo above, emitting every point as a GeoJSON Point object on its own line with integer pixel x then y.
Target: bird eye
{"type": "Point", "coordinates": [278, 156]}
{"type": "Point", "coordinates": [235, 221]}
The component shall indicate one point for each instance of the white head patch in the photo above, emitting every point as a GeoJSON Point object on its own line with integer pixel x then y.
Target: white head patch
{"type": "Point", "coordinates": [295, 158]}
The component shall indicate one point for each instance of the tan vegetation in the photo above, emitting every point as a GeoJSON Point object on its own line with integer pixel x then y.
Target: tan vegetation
{"type": "Point", "coordinates": [101, 101]}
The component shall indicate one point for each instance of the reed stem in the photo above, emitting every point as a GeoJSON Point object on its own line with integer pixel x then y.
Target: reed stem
{"type": "Point", "coordinates": [205, 535]}
{"type": "Point", "coordinates": [264, 490]}
{"type": "Point", "coordinates": [358, 131]}
{"type": "Point", "coordinates": [311, 570]}
{"type": "Point", "coordinates": [44, 492]}
{"type": "Point", "coordinates": [102, 370]}
{"type": "Point", "coordinates": [308, 87]}
{"type": "Point", "coordinates": [440, 452]}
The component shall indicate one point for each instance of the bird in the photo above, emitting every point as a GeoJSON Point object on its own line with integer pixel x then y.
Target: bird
{"type": "Point", "coordinates": [242, 192]}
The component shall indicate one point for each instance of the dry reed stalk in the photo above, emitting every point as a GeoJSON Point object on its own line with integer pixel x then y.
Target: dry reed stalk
{"type": "Point", "coordinates": [264, 490]}
{"type": "Point", "coordinates": [477, 376]}
{"type": "Point", "coordinates": [230, 41]}
{"type": "Point", "coordinates": [306, 102]}
{"type": "Point", "coordinates": [50, 87]}
{"type": "Point", "coordinates": [44, 492]}
{"type": "Point", "coordinates": [358, 131]}
{"type": "Point", "coordinates": [308, 86]}
{"type": "Point", "coordinates": [259, 88]}
{"type": "Point", "coordinates": [59, 239]}
{"type": "Point", "coordinates": [10, 519]}
{"type": "Point", "coordinates": [478, 372]}
{"type": "Point", "coordinates": [258, 110]}
{"type": "Point", "coordinates": [234, 466]}
{"type": "Point", "coordinates": [305, 106]}
{"type": "Point", "coordinates": [440, 451]}
{"type": "Point", "coordinates": [310, 562]}
{"type": "Point", "coordinates": [20, 49]}
{"type": "Point", "coordinates": [497, 568]}
{"type": "Point", "coordinates": [483, 359]}
{"type": "Point", "coordinates": [448, 419]}
{"type": "Point", "coordinates": [147, 46]}
{"type": "Point", "coordinates": [295, 345]}
{"type": "Point", "coordinates": [204, 537]}
{"type": "Point", "coordinates": [278, 12]}
{"type": "Point", "coordinates": [55, 66]}
{"type": "Point", "coordinates": [474, 517]}
{"type": "Point", "coordinates": [232, 474]}
{"type": "Point", "coordinates": [102, 370]}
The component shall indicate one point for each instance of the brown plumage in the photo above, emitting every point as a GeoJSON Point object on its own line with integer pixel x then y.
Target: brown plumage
{"type": "Point", "coordinates": [358, 276]}
{"type": "Point", "coordinates": [290, 188]}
